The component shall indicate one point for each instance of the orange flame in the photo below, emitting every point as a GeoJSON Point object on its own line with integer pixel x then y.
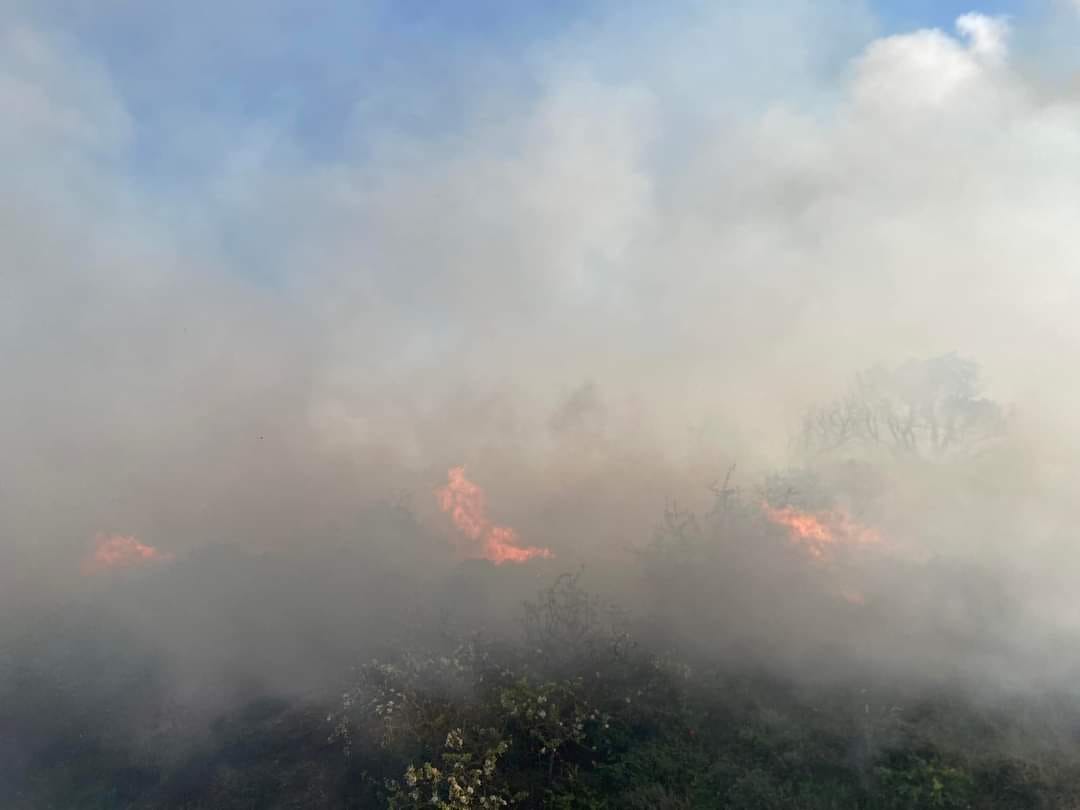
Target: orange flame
{"type": "Point", "coordinates": [116, 551]}
{"type": "Point", "coordinates": [817, 531]}
{"type": "Point", "coordinates": [466, 504]}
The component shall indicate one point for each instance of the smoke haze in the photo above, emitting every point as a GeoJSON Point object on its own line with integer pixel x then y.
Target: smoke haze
{"type": "Point", "coordinates": [596, 271]}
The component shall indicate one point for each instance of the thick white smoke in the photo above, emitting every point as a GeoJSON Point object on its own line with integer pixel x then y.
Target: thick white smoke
{"type": "Point", "coordinates": [612, 276]}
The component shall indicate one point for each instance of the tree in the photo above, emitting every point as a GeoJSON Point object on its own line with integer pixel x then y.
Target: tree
{"type": "Point", "coordinates": [923, 408]}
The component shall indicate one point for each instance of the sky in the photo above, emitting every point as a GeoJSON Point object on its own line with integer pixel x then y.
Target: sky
{"type": "Point", "coordinates": [898, 15]}
{"type": "Point", "coordinates": [262, 259]}
{"type": "Point", "coordinates": [313, 72]}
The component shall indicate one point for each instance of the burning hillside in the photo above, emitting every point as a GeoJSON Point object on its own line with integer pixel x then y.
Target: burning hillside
{"type": "Point", "coordinates": [466, 504]}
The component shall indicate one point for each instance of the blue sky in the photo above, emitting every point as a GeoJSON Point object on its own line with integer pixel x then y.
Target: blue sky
{"type": "Point", "coordinates": [903, 15]}
{"type": "Point", "coordinates": [273, 85]}
{"type": "Point", "coordinates": [320, 71]}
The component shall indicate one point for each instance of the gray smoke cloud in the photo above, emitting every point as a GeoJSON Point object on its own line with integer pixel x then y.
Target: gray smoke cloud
{"type": "Point", "coordinates": [597, 291]}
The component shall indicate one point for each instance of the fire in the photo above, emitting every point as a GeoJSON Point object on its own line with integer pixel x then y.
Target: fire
{"type": "Point", "coordinates": [466, 504]}
{"type": "Point", "coordinates": [117, 551]}
{"type": "Point", "coordinates": [817, 531]}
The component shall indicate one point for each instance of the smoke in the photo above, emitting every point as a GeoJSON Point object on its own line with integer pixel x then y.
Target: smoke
{"type": "Point", "coordinates": [632, 254]}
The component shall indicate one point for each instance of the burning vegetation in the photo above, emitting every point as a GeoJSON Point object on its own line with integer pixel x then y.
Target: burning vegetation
{"type": "Point", "coordinates": [759, 611]}
{"type": "Point", "coordinates": [822, 531]}
{"type": "Point", "coordinates": [466, 504]}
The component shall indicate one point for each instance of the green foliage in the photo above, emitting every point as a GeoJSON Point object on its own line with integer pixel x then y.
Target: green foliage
{"type": "Point", "coordinates": [912, 781]}
{"type": "Point", "coordinates": [574, 716]}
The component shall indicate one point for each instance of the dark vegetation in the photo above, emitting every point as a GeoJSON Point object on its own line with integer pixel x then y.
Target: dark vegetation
{"type": "Point", "coordinates": [572, 712]}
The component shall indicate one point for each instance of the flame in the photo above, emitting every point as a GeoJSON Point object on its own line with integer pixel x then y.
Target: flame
{"type": "Point", "coordinates": [117, 551]}
{"type": "Point", "coordinates": [817, 531]}
{"type": "Point", "coordinates": [466, 504]}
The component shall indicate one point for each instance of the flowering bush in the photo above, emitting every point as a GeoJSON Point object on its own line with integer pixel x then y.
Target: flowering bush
{"type": "Point", "coordinates": [462, 780]}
